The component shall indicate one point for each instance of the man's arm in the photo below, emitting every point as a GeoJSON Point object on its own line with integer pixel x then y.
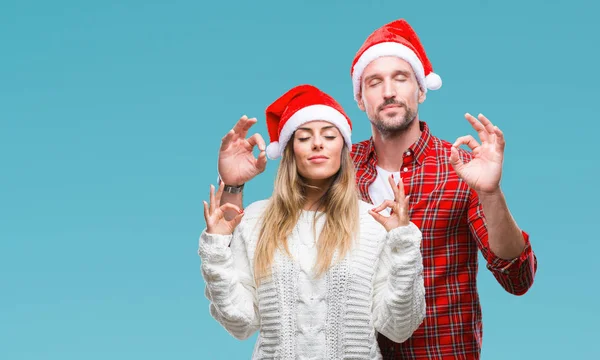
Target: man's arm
{"type": "Point", "coordinates": [504, 236]}
{"type": "Point", "coordinates": [505, 247]}
{"type": "Point", "coordinates": [483, 173]}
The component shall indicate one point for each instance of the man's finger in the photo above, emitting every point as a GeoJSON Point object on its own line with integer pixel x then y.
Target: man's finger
{"type": "Point", "coordinates": [455, 160]}
{"type": "Point", "coordinates": [468, 140]}
{"type": "Point", "coordinates": [500, 141]}
{"type": "Point", "coordinates": [479, 127]}
{"type": "Point", "coordinates": [489, 127]}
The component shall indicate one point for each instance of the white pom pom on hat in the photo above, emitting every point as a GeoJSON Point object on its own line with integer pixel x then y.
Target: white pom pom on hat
{"type": "Point", "coordinates": [433, 81]}
{"type": "Point", "coordinates": [273, 151]}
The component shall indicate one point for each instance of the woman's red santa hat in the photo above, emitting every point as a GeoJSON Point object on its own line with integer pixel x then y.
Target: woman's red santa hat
{"type": "Point", "coordinates": [302, 104]}
{"type": "Point", "coordinates": [395, 39]}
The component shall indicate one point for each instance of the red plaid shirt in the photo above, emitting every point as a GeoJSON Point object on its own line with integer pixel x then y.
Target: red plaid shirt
{"type": "Point", "coordinates": [451, 219]}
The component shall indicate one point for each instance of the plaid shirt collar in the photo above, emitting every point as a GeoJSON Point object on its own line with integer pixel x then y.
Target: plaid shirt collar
{"type": "Point", "coordinates": [418, 150]}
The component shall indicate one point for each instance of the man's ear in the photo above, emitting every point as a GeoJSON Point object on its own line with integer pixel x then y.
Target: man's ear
{"type": "Point", "coordinates": [361, 104]}
{"type": "Point", "coordinates": [422, 96]}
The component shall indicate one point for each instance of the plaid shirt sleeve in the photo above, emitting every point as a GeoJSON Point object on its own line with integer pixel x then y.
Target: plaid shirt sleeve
{"type": "Point", "coordinates": [515, 276]}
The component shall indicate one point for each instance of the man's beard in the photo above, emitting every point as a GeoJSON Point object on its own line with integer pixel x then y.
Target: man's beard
{"type": "Point", "coordinates": [391, 128]}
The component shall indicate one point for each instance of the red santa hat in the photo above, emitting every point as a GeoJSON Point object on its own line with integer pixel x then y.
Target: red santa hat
{"type": "Point", "coordinates": [395, 39]}
{"type": "Point", "coordinates": [298, 106]}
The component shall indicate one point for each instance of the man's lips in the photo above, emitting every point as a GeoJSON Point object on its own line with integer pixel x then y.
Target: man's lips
{"type": "Point", "coordinates": [391, 106]}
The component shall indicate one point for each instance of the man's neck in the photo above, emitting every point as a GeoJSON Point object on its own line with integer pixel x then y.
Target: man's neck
{"type": "Point", "coordinates": [389, 149]}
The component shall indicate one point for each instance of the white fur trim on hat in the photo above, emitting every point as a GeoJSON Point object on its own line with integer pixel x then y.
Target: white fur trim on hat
{"type": "Point", "coordinates": [304, 115]}
{"type": "Point", "coordinates": [388, 49]}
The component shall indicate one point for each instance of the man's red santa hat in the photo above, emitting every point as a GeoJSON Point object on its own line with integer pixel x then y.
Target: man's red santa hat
{"type": "Point", "coordinates": [298, 106]}
{"type": "Point", "coordinates": [395, 39]}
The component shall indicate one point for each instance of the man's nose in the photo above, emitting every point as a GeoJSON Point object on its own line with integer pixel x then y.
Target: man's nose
{"type": "Point", "coordinates": [388, 90]}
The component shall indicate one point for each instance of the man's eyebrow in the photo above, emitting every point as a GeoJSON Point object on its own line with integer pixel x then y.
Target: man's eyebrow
{"type": "Point", "coordinates": [371, 77]}
{"type": "Point", "coordinates": [402, 72]}
{"type": "Point", "coordinates": [395, 73]}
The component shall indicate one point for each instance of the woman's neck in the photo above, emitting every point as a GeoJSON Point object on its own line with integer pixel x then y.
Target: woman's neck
{"type": "Point", "coordinates": [314, 193]}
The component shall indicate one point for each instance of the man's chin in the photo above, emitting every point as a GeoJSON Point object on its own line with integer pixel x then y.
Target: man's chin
{"type": "Point", "coordinates": [392, 126]}
{"type": "Point", "coordinates": [394, 122]}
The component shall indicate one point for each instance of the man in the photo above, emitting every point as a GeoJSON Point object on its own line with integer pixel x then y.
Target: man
{"type": "Point", "coordinates": [455, 195]}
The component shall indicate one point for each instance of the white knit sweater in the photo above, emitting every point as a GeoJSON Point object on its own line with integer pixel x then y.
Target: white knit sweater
{"type": "Point", "coordinates": [377, 287]}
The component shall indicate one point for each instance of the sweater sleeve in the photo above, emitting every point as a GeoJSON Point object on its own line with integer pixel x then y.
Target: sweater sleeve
{"type": "Point", "coordinates": [399, 289]}
{"type": "Point", "coordinates": [229, 282]}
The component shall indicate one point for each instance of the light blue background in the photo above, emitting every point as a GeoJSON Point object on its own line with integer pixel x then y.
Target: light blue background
{"type": "Point", "coordinates": [111, 114]}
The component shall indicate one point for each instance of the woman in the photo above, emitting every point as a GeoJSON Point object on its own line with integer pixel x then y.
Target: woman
{"type": "Point", "coordinates": [315, 270]}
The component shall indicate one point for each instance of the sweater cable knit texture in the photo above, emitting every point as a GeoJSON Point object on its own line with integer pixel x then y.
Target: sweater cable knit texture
{"type": "Point", "coordinates": [377, 287]}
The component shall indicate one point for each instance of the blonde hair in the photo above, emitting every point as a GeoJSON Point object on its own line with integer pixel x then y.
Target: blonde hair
{"type": "Point", "coordinates": [339, 204]}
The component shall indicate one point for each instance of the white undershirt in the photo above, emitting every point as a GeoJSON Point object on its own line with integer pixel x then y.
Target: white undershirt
{"type": "Point", "coordinates": [380, 190]}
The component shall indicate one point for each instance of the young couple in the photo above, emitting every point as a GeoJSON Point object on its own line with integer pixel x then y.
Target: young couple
{"type": "Point", "coordinates": [364, 251]}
